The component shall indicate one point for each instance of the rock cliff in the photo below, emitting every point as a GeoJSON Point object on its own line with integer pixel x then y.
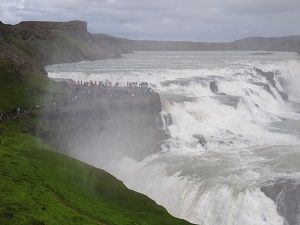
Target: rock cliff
{"type": "Point", "coordinates": [72, 26]}
{"type": "Point", "coordinates": [106, 128]}
{"type": "Point", "coordinates": [44, 43]}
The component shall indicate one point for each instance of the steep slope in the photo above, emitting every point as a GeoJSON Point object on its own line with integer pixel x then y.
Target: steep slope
{"type": "Point", "coordinates": [39, 186]}
{"type": "Point", "coordinates": [23, 84]}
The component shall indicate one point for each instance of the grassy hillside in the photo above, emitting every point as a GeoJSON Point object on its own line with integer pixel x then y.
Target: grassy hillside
{"type": "Point", "coordinates": [38, 186]}
{"type": "Point", "coordinates": [24, 87]}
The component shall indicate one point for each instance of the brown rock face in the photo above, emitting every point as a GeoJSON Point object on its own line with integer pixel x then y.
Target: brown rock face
{"type": "Point", "coordinates": [73, 26]}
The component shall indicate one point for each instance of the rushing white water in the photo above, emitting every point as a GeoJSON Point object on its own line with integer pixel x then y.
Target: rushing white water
{"type": "Point", "coordinates": [224, 144]}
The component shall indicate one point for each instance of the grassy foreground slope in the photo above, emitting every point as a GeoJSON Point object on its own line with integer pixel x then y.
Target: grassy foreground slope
{"type": "Point", "coordinates": [39, 186]}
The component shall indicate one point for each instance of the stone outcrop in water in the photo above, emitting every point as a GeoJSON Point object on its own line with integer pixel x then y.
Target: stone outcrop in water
{"type": "Point", "coordinates": [270, 77]}
{"type": "Point", "coordinates": [214, 87]}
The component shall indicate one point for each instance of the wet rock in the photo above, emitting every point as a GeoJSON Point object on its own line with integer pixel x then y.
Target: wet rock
{"type": "Point", "coordinates": [283, 95]}
{"type": "Point", "coordinates": [214, 87]}
{"type": "Point", "coordinates": [270, 76]}
{"type": "Point", "coordinates": [229, 100]}
{"type": "Point", "coordinates": [266, 87]}
{"type": "Point", "coordinates": [163, 121]}
{"type": "Point", "coordinates": [201, 140]}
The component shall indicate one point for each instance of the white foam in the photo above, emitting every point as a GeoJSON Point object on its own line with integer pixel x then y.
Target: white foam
{"type": "Point", "coordinates": [200, 201]}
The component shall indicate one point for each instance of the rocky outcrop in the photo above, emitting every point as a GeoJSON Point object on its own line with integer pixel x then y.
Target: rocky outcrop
{"type": "Point", "coordinates": [214, 87]}
{"type": "Point", "coordinates": [72, 26]}
{"type": "Point", "coordinates": [270, 77]}
{"type": "Point", "coordinates": [106, 128]}
{"type": "Point", "coordinates": [47, 43]}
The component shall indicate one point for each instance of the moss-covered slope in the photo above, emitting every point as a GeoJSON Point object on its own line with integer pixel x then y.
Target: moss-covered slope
{"type": "Point", "coordinates": [38, 186]}
{"type": "Point", "coordinates": [23, 86]}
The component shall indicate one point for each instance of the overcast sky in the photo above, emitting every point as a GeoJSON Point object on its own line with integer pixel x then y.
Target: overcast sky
{"type": "Point", "coordinates": [196, 20]}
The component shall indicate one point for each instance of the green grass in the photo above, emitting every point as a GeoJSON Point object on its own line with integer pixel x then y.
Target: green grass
{"type": "Point", "coordinates": [26, 88]}
{"type": "Point", "coordinates": [39, 186]}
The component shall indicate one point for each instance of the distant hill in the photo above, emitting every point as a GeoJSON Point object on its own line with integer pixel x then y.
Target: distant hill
{"type": "Point", "coordinates": [291, 43]}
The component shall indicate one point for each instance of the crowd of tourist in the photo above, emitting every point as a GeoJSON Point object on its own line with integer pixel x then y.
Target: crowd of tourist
{"type": "Point", "coordinates": [85, 91]}
{"type": "Point", "coordinates": [89, 90]}
{"type": "Point", "coordinates": [106, 84]}
{"type": "Point", "coordinates": [17, 112]}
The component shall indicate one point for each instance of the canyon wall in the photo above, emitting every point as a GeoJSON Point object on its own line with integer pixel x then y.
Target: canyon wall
{"type": "Point", "coordinates": [106, 128]}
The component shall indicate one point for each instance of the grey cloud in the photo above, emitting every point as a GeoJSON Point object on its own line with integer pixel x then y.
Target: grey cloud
{"type": "Point", "coordinates": [261, 7]}
{"type": "Point", "coordinates": [198, 20]}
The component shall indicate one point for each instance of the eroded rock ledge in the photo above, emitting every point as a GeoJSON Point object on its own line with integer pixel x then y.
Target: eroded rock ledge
{"type": "Point", "coordinates": [105, 128]}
